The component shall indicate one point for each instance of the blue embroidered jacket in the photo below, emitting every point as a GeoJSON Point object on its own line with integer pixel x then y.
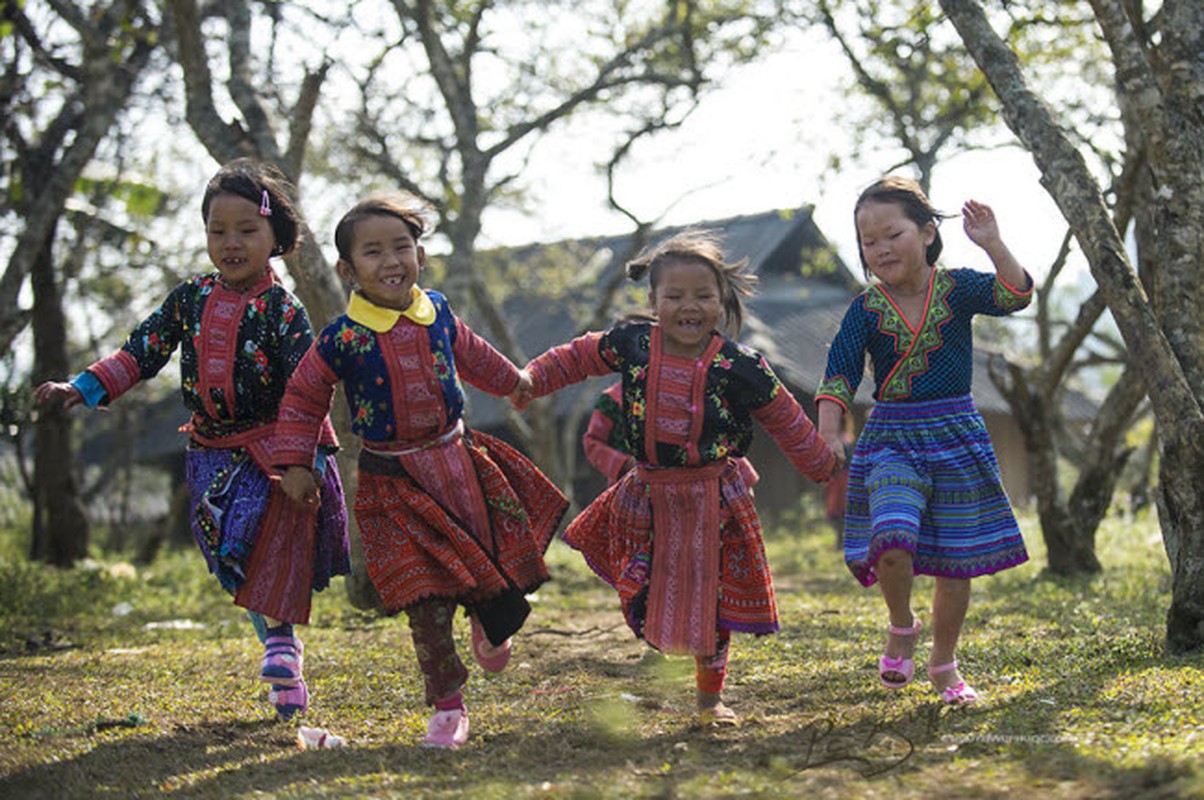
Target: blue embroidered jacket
{"type": "Point", "coordinates": [928, 362]}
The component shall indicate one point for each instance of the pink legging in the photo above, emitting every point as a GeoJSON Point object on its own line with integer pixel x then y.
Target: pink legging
{"type": "Point", "coordinates": [710, 671]}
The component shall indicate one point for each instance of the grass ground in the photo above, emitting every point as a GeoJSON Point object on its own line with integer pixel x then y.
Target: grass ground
{"type": "Point", "coordinates": [116, 683]}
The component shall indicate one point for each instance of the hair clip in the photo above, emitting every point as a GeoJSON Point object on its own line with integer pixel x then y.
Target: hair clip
{"type": "Point", "coordinates": [265, 205]}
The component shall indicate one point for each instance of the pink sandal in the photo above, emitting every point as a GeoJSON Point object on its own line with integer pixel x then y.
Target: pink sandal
{"type": "Point", "coordinates": [902, 665]}
{"type": "Point", "coordinates": [960, 695]}
{"type": "Point", "coordinates": [491, 659]}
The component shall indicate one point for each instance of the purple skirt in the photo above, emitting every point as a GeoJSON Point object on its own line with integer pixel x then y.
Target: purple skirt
{"type": "Point", "coordinates": [229, 495]}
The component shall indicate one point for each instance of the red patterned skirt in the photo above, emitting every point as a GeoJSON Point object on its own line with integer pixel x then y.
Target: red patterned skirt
{"type": "Point", "coordinates": [440, 521]}
{"type": "Point", "coordinates": [711, 572]}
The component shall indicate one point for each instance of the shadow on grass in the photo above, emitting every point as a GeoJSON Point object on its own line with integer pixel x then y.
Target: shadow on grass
{"type": "Point", "coordinates": [134, 764]}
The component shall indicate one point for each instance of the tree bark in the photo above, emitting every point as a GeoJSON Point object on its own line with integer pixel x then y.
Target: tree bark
{"type": "Point", "coordinates": [1166, 346]}
{"type": "Point", "coordinates": [60, 527]}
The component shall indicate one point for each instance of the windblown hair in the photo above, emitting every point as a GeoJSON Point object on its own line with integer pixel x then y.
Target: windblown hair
{"type": "Point", "coordinates": [409, 209]}
{"type": "Point", "coordinates": [702, 247]}
{"type": "Point", "coordinates": [249, 179]}
{"type": "Point", "coordinates": [907, 194]}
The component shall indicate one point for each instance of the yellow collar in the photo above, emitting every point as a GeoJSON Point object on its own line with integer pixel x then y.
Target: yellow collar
{"type": "Point", "coordinates": [381, 319]}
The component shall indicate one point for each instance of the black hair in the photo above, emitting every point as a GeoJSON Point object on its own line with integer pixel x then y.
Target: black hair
{"type": "Point", "coordinates": [907, 194]}
{"type": "Point", "coordinates": [250, 180]}
{"type": "Point", "coordinates": [702, 247]}
{"type": "Point", "coordinates": [405, 207]}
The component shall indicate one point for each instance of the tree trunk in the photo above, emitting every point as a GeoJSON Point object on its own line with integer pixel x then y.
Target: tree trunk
{"type": "Point", "coordinates": [1181, 510]}
{"type": "Point", "coordinates": [60, 527]}
{"type": "Point", "coordinates": [1069, 543]}
{"type": "Point", "coordinates": [1166, 346]}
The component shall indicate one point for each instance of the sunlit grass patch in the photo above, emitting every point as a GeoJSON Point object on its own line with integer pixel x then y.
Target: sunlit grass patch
{"type": "Point", "coordinates": [1080, 701]}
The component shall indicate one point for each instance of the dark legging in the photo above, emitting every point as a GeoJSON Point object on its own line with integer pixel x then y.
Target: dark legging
{"type": "Point", "coordinates": [431, 629]}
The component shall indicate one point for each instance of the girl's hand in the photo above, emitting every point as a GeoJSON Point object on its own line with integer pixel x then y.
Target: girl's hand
{"type": "Point", "coordinates": [298, 483]}
{"type": "Point", "coordinates": [524, 392]}
{"type": "Point", "coordinates": [835, 444]}
{"type": "Point", "coordinates": [980, 225]}
{"type": "Point", "coordinates": [57, 390]}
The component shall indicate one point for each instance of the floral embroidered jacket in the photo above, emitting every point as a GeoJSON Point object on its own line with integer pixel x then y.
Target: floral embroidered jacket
{"type": "Point", "coordinates": [688, 412]}
{"type": "Point", "coordinates": [237, 351]}
{"type": "Point", "coordinates": [400, 374]}
{"type": "Point", "coordinates": [934, 359]}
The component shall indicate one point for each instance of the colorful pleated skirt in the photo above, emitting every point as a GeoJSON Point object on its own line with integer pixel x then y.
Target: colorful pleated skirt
{"type": "Point", "coordinates": [679, 600]}
{"type": "Point", "coordinates": [460, 520]}
{"type": "Point", "coordinates": [924, 478]}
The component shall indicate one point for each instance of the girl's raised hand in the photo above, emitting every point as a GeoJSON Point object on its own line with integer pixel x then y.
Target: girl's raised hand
{"type": "Point", "coordinates": [57, 390]}
{"type": "Point", "coordinates": [979, 222]}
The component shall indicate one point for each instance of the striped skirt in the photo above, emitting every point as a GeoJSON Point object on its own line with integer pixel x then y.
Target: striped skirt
{"type": "Point", "coordinates": [923, 478]}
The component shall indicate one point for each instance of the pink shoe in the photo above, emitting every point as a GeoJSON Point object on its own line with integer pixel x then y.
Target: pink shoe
{"type": "Point", "coordinates": [960, 695]}
{"type": "Point", "coordinates": [491, 659]}
{"type": "Point", "coordinates": [901, 665]}
{"type": "Point", "coordinates": [447, 730]}
{"type": "Point", "coordinates": [282, 660]}
{"type": "Point", "coordinates": [289, 700]}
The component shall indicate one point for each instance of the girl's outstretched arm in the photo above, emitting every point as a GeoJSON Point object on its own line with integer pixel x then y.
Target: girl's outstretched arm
{"type": "Point", "coordinates": [981, 227]}
{"type": "Point", "coordinates": [786, 422]}
{"type": "Point", "coordinates": [567, 364]}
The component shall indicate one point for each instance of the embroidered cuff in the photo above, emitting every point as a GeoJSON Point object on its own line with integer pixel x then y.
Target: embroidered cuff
{"type": "Point", "coordinates": [90, 387]}
{"type": "Point", "coordinates": [837, 390]}
{"type": "Point", "coordinates": [1009, 298]}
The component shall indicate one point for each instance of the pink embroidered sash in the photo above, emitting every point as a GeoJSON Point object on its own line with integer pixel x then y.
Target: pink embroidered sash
{"type": "Point", "coordinates": [683, 591]}
{"type": "Point", "coordinates": [217, 345]}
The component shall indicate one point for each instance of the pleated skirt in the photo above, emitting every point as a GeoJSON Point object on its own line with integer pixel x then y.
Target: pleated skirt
{"type": "Point", "coordinates": [924, 478]}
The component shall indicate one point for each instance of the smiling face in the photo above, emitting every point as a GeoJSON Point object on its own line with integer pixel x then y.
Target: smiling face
{"type": "Point", "coordinates": [240, 241]}
{"type": "Point", "coordinates": [385, 261]}
{"type": "Point", "coordinates": [688, 304]}
{"type": "Point", "coordinates": [894, 246]}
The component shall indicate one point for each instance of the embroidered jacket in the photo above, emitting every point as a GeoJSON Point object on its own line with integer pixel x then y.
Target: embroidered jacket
{"type": "Point", "coordinates": [928, 362]}
{"type": "Point", "coordinates": [400, 372]}
{"type": "Point", "coordinates": [688, 412]}
{"type": "Point", "coordinates": [237, 350]}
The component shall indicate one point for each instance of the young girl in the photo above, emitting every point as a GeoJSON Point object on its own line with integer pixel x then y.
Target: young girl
{"type": "Point", "coordinates": [924, 495]}
{"type": "Point", "coordinates": [240, 333]}
{"type": "Point", "coordinates": [678, 536]}
{"type": "Point", "coordinates": [448, 516]}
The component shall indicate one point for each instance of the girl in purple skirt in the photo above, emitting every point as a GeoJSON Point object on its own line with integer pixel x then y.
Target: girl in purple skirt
{"type": "Point", "coordinates": [240, 334]}
{"type": "Point", "coordinates": [924, 496]}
